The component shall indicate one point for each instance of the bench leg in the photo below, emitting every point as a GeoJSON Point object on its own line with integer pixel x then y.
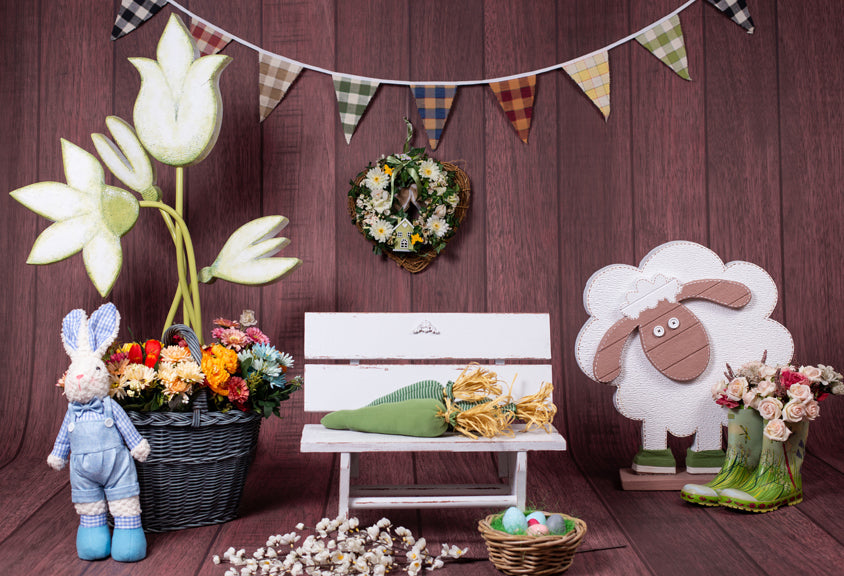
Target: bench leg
{"type": "Point", "coordinates": [518, 480]}
{"type": "Point", "coordinates": [345, 465]}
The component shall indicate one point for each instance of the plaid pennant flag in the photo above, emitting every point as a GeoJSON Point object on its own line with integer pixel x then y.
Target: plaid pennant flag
{"type": "Point", "coordinates": [592, 74]}
{"type": "Point", "coordinates": [274, 78]}
{"type": "Point", "coordinates": [133, 13]}
{"type": "Point", "coordinates": [737, 11]}
{"type": "Point", "coordinates": [434, 104]}
{"type": "Point", "coordinates": [665, 41]}
{"type": "Point", "coordinates": [516, 99]}
{"type": "Point", "coordinates": [353, 96]}
{"type": "Point", "coordinates": [209, 40]}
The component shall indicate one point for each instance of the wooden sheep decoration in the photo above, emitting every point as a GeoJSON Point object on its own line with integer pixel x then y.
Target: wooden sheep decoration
{"type": "Point", "coordinates": [692, 314]}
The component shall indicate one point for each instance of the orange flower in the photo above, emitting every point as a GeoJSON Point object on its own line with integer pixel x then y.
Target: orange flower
{"type": "Point", "coordinates": [226, 356]}
{"type": "Point", "coordinates": [216, 375]}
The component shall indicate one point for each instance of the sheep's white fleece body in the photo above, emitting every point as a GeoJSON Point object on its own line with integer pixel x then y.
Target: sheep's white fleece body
{"type": "Point", "coordinates": [735, 336]}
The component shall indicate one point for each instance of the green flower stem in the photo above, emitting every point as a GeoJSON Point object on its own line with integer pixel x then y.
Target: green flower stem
{"type": "Point", "coordinates": [182, 292]}
{"type": "Point", "coordinates": [193, 317]}
{"type": "Point", "coordinates": [179, 205]}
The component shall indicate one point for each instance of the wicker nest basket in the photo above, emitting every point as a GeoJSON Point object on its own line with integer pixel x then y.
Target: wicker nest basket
{"type": "Point", "coordinates": [532, 555]}
{"type": "Point", "coordinates": [416, 262]}
{"type": "Point", "coordinates": [197, 467]}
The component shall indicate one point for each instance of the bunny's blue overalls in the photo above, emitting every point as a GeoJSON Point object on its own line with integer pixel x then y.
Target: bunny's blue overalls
{"type": "Point", "coordinates": [100, 463]}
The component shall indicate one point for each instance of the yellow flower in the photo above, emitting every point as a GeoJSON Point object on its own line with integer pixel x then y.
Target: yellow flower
{"type": "Point", "coordinates": [215, 373]}
{"type": "Point", "coordinates": [388, 170]}
{"type": "Point", "coordinates": [415, 238]}
{"type": "Point", "coordinates": [227, 357]}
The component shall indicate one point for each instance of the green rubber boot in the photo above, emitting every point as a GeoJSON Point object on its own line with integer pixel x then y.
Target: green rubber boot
{"type": "Point", "coordinates": [654, 462]}
{"type": "Point", "coordinates": [744, 446]}
{"type": "Point", "coordinates": [777, 479]}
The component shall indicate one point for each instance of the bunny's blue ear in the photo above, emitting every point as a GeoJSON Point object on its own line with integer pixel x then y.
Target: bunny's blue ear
{"type": "Point", "coordinates": [103, 327]}
{"type": "Point", "coordinates": [71, 326]}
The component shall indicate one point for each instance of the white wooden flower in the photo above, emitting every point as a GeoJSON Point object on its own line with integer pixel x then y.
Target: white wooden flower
{"type": "Point", "coordinates": [126, 158]}
{"type": "Point", "coordinates": [179, 110]}
{"type": "Point", "coordinates": [246, 257]}
{"type": "Point", "coordinates": [88, 215]}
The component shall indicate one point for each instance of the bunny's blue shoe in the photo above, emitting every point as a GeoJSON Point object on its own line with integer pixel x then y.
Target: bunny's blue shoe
{"type": "Point", "coordinates": [93, 542]}
{"type": "Point", "coordinates": [128, 544]}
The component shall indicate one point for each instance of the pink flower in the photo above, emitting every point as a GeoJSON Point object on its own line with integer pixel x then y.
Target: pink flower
{"type": "Point", "coordinates": [776, 430]}
{"type": "Point", "coordinates": [725, 401]}
{"type": "Point", "coordinates": [788, 378]}
{"type": "Point", "coordinates": [257, 336]}
{"type": "Point", "coordinates": [812, 410]}
{"type": "Point", "coordinates": [800, 392]}
{"type": "Point", "coordinates": [117, 357]}
{"type": "Point", "coordinates": [226, 323]}
{"type": "Point", "coordinates": [233, 339]}
{"type": "Point", "coordinates": [238, 391]}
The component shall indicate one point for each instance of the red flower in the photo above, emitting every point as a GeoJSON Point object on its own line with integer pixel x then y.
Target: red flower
{"type": "Point", "coordinates": [238, 391]}
{"type": "Point", "coordinates": [152, 349]}
{"type": "Point", "coordinates": [787, 378]}
{"type": "Point", "coordinates": [136, 355]}
{"type": "Point", "coordinates": [724, 401]}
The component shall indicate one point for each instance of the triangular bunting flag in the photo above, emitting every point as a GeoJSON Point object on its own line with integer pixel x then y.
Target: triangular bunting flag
{"type": "Point", "coordinates": [737, 11]}
{"type": "Point", "coordinates": [592, 74]}
{"type": "Point", "coordinates": [353, 96]}
{"type": "Point", "coordinates": [133, 13]}
{"type": "Point", "coordinates": [516, 99]}
{"type": "Point", "coordinates": [209, 40]}
{"type": "Point", "coordinates": [274, 78]}
{"type": "Point", "coordinates": [434, 103]}
{"type": "Point", "coordinates": [665, 41]}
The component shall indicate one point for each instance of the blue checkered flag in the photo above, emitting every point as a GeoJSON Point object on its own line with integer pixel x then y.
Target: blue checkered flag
{"type": "Point", "coordinates": [133, 13]}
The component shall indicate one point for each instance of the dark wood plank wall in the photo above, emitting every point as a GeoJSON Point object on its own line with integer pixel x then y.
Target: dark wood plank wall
{"type": "Point", "coordinates": [746, 158]}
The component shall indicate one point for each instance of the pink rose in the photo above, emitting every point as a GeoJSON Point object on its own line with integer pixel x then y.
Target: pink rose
{"type": "Point", "coordinates": [736, 389]}
{"type": "Point", "coordinates": [766, 388]}
{"type": "Point", "coordinates": [717, 389]}
{"type": "Point", "coordinates": [770, 408]}
{"type": "Point", "coordinates": [751, 398]}
{"type": "Point", "coordinates": [777, 430]}
{"type": "Point", "coordinates": [800, 392]}
{"type": "Point", "coordinates": [813, 409]}
{"type": "Point", "coordinates": [813, 373]}
{"type": "Point", "coordinates": [767, 371]}
{"type": "Point", "coordinates": [794, 411]}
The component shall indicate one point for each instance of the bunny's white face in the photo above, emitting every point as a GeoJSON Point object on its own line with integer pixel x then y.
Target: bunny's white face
{"type": "Point", "coordinates": [87, 378]}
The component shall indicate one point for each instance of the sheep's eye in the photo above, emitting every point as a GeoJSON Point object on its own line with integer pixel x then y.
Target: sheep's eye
{"type": "Point", "coordinates": [673, 323]}
{"type": "Point", "coordinates": [659, 331]}
{"type": "Point", "coordinates": [98, 368]}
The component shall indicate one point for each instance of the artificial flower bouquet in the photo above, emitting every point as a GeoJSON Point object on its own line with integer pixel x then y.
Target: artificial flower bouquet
{"type": "Point", "coordinates": [409, 204]}
{"type": "Point", "coordinates": [241, 370]}
{"type": "Point", "coordinates": [781, 394]}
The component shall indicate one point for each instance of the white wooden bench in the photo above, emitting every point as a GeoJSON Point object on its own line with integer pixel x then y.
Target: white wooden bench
{"type": "Point", "coordinates": [455, 338]}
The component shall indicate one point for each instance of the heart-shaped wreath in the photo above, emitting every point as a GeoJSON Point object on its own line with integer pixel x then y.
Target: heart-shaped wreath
{"type": "Point", "coordinates": [409, 205]}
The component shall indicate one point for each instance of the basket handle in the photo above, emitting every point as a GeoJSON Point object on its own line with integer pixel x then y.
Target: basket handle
{"type": "Point", "coordinates": [200, 401]}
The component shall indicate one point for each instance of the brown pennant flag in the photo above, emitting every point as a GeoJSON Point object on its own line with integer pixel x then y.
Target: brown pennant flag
{"type": "Point", "coordinates": [274, 78]}
{"type": "Point", "coordinates": [516, 99]}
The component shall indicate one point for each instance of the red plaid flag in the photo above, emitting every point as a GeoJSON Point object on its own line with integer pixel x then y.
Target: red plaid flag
{"type": "Point", "coordinates": [516, 99]}
{"type": "Point", "coordinates": [209, 40]}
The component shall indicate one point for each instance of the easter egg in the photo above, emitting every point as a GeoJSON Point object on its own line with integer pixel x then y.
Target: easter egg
{"type": "Point", "coordinates": [537, 529]}
{"type": "Point", "coordinates": [514, 521]}
{"type": "Point", "coordinates": [556, 524]}
{"type": "Point", "coordinates": [538, 516]}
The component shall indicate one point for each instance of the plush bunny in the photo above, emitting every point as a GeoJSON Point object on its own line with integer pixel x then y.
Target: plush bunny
{"type": "Point", "coordinates": [96, 432]}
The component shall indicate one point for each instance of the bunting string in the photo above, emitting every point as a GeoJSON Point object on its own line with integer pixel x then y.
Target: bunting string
{"type": "Point", "coordinates": [662, 38]}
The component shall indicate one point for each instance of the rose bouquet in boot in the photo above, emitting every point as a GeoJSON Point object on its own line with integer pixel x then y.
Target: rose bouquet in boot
{"type": "Point", "coordinates": [770, 410]}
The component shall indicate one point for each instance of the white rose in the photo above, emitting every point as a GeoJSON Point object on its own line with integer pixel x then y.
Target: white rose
{"type": "Point", "coordinates": [811, 372]}
{"type": "Point", "coordinates": [838, 389]}
{"type": "Point", "coordinates": [247, 318]}
{"type": "Point", "coordinates": [718, 389]}
{"type": "Point", "coordinates": [380, 201]}
{"type": "Point", "coordinates": [800, 392]}
{"type": "Point", "coordinates": [736, 389]}
{"type": "Point", "coordinates": [751, 398]}
{"type": "Point", "coordinates": [440, 211]}
{"type": "Point", "coordinates": [794, 411]}
{"type": "Point", "coordinates": [766, 387]}
{"type": "Point", "coordinates": [767, 371]}
{"type": "Point", "coordinates": [770, 408]}
{"type": "Point", "coordinates": [813, 409]}
{"type": "Point", "coordinates": [777, 430]}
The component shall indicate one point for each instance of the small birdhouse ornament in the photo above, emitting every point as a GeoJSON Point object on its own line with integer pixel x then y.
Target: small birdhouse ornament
{"type": "Point", "coordinates": [404, 233]}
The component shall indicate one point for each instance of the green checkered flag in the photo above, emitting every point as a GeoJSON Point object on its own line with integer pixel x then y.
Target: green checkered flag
{"type": "Point", "coordinates": [353, 96]}
{"type": "Point", "coordinates": [665, 41]}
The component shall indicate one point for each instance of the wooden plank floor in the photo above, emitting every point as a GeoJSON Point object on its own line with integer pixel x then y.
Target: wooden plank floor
{"type": "Point", "coordinates": [628, 532]}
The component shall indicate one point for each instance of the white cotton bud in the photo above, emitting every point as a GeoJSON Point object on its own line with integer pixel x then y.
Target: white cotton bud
{"type": "Point", "coordinates": [259, 553]}
{"type": "Point", "coordinates": [300, 526]}
{"type": "Point", "coordinates": [216, 559]}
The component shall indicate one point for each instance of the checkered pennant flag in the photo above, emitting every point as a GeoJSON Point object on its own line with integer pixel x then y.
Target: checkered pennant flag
{"type": "Point", "coordinates": [353, 96]}
{"type": "Point", "coordinates": [665, 41]}
{"type": "Point", "coordinates": [133, 13]}
{"type": "Point", "coordinates": [516, 99]}
{"type": "Point", "coordinates": [592, 74]}
{"type": "Point", "coordinates": [737, 11]}
{"type": "Point", "coordinates": [209, 40]}
{"type": "Point", "coordinates": [274, 78]}
{"type": "Point", "coordinates": [434, 104]}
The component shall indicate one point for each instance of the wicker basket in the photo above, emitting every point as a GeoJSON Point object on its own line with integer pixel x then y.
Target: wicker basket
{"type": "Point", "coordinates": [532, 555]}
{"type": "Point", "coordinates": [197, 467]}
{"type": "Point", "coordinates": [411, 262]}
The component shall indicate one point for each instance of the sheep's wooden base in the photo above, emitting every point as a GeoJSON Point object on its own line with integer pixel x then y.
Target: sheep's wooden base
{"type": "Point", "coordinates": [630, 480]}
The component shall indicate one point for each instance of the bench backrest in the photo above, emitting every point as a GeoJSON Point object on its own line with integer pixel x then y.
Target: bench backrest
{"type": "Point", "coordinates": [372, 344]}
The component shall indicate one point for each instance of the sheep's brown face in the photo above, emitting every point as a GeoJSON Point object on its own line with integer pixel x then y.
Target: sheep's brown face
{"type": "Point", "coordinates": [674, 341]}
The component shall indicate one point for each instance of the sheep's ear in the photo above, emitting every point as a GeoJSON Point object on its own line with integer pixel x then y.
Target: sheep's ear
{"type": "Point", "coordinates": [103, 328]}
{"type": "Point", "coordinates": [607, 364]}
{"type": "Point", "coordinates": [73, 326]}
{"type": "Point", "coordinates": [725, 292]}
